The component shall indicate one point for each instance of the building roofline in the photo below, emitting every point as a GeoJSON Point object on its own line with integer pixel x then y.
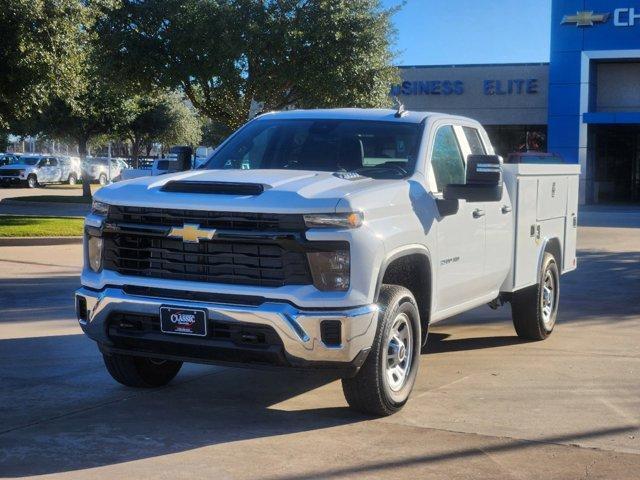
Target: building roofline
{"type": "Point", "coordinates": [467, 65]}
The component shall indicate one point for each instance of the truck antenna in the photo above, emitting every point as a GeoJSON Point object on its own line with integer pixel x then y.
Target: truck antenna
{"type": "Point", "coordinates": [400, 111]}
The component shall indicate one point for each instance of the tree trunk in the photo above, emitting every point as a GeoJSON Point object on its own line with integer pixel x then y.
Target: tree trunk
{"type": "Point", "coordinates": [135, 151]}
{"type": "Point", "coordinates": [86, 179]}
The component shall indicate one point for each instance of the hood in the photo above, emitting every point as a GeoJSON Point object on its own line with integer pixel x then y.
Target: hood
{"type": "Point", "coordinates": [284, 191]}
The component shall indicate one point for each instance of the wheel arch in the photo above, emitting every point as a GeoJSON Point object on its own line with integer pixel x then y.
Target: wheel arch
{"type": "Point", "coordinates": [410, 268]}
{"type": "Point", "coordinates": [554, 247]}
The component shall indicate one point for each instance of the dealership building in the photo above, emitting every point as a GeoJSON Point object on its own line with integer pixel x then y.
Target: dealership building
{"type": "Point", "coordinates": [584, 104]}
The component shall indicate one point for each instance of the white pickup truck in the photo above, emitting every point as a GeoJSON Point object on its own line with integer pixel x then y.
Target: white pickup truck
{"type": "Point", "coordinates": [324, 239]}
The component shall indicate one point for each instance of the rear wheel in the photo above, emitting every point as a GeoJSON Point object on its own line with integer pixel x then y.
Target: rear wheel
{"type": "Point", "coordinates": [32, 181]}
{"type": "Point", "coordinates": [102, 179]}
{"type": "Point", "coordinates": [72, 179]}
{"type": "Point", "coordinates": [384, 383]}
{"type": "Point", "coordinates": [141, 372]}
{"type": "Point", "coordinates": [534, 309]}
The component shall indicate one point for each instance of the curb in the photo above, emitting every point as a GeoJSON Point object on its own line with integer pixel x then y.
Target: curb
{"type": "Point", "coordinates": [39, 241]}
{"type": "Point", "coordinates": [10, 201]}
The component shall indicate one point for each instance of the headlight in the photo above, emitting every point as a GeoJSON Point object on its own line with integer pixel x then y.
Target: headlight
{"type": "Point", "coordinates": [332, 220]}
{"type": "Point", "coordinates": [99, 208]}
{"type": "Point", "coordinates": [94, 252]}
{"type": "Point", "coordinates": [330, 270]}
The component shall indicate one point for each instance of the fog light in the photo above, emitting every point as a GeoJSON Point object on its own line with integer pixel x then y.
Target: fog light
{"type": "Point", "coordinates": [330, 270]}
{"type": "Point", "coordinates": [94, 253]}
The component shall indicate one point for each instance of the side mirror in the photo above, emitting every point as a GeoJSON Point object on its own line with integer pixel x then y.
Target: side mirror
{"type": "Point", "coordinates": [483, 181]}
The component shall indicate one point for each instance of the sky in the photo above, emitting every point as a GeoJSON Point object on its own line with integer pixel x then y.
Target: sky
{"type": "Point", "coordinates": [447, 32]}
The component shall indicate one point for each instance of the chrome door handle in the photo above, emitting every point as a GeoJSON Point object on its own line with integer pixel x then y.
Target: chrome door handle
{"type": "Point", "coordinates": [506, 209]}
{"type": "Point", "coordinates": [477, 213]}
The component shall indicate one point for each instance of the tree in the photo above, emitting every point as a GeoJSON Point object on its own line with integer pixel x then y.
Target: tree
{"type": "Point", "coordinates": [39, 54]}
{"type": "Point", "coordinates": [162, 118]}
{"type": "Point", "coordinates": [226, 54]}
{"type": "Point", "coordinates": [96, 111]}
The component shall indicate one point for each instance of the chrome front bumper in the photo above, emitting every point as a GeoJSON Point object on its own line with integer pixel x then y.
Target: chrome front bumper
{"type": "Point", "coordinates": [298, 329]}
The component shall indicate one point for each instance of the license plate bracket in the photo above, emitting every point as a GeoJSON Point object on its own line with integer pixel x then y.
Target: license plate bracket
{"type": "Point", "coordinates": [183, 321]}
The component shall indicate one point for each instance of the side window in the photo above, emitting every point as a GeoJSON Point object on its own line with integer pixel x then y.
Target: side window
{"type": "Point", "coordinates": [446, 159]}
{"type": "Point", "coordinates": [475, 142]}
{"type": "Point", "coordinates": [53, 162]}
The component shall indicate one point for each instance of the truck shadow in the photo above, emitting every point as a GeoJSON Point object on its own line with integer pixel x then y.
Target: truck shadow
{"type": "Point", "coordinates": [72, 416]}
{"type": "Point", "coordinates": [439, 343]}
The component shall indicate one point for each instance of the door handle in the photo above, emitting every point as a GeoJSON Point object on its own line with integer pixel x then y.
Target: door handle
{"type": "Point", "coordinates": [506, 209]}
{"type": "Point", "coordinates": [477, 213]}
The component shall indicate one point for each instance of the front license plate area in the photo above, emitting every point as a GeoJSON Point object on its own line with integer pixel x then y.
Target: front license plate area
{"type": "Point", "coordinates": [183, 321]}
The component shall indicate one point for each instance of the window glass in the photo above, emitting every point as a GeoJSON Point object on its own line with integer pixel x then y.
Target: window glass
{"type": "Point", "coordinates": [446, 159]}
{"type": "Point", "coordinates": [371, 148]}
{"type": "Point", "coordinates": [475, 143]}
{"type": "Point", "coordinates": [53, 162]}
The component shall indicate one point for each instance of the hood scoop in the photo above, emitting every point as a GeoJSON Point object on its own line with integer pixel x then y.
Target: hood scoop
{"type": "Point", "coordinates": [217, 188]}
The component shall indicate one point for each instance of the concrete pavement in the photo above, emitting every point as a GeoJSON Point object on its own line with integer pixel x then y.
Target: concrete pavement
{"type": "Point", "coordinates": [486, 405]}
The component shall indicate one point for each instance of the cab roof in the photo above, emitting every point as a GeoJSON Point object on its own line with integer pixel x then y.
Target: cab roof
{"type": "Point", "coordinates": [373, 114]}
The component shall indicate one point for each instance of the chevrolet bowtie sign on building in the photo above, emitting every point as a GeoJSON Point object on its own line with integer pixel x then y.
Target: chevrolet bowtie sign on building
{"type": "Point", "coordinates": [586, 19]}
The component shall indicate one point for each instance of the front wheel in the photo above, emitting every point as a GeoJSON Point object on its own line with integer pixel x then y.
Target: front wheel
{"type": "Point", "coordinates": [72, 179]}
{"type": "Point", "coordinates": [32, 181]}
{"type": "Point", "coordinates": [141, 372]}
{"type": "Point", "coordinates": [102, 179]}
{"type": "Point", "coordinates": [384, 383]}
{"type": "Point", "coordinates": [534, 309]}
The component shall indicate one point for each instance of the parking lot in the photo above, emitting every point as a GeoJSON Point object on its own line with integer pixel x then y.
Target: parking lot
{"type": "Point", "coordinates": [485, 405]}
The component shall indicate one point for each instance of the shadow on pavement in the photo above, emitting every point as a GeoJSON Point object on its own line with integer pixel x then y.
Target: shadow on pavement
{"type": "Point", "coordinates": [40, 298]}
{"type": "Point", "coordinates": [438, 343]}
{"type": "Point", "coordinates": [73, 416]}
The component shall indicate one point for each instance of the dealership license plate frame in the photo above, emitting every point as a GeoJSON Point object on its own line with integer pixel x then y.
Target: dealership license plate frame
{"type": "Point", "coordinates": [201, 319]}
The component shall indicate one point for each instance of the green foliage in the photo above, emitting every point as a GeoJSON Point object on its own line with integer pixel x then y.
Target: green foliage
{"type": "Point", "coordinates": [41, 49]}
{"type": "Point", "coordinates": [162, 118]}
{"type": "Point", "coordinates": [224, 54]}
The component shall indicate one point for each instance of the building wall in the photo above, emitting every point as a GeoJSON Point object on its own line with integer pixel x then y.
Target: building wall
{"type": "Point", "coordinates": [509, 94]}
{"type": "Point", "coordinates": [577, 51]}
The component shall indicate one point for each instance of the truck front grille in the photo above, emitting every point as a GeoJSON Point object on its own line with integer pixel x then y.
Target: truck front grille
{"type": "Point", "coordinates": [262, 263]}
{"type": "Point", "coordinates": [219, 220]}
{"type": "Point", "coordinates": [9, 173]}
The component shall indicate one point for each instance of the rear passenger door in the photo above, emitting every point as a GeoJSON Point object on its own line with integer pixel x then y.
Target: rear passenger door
{"type": "Point", "coordinates": [498, 223]}
{"type": "Point", "coordinates": [460, 236]}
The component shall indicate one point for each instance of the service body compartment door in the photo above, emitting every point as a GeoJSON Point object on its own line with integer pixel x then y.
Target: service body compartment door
{"type": "Point", "coordinates": [527, 241]}
{"type": "Point", "coordinates": [571, 226]}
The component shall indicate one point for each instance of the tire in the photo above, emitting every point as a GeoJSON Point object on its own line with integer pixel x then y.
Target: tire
{"type": "Point", "coordinates": [141, 372]}
{"type": "Point", "coordinates": [535, 309]}
{"type": "Point", "coordinates": [374, 390]}
{"type": "Point", "coordinates": [32, 181]}
{"type": "Point", "coordinates": [72, 179]}
{"type": "Point", "coordinates": [102, 179]}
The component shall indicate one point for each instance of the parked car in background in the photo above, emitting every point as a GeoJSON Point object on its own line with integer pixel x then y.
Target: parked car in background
{"type": "Point", "coordinates": [104, 170]}
{"type": "Point", "coordinates": [534, 157]}
{"type": "Point", "coordinates": [36, 170]}
{"type": "Point", "coordinates": [8, 159]}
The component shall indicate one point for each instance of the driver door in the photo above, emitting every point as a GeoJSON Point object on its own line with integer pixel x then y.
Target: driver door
{"type": "Point", "coordinates": [461, 236]}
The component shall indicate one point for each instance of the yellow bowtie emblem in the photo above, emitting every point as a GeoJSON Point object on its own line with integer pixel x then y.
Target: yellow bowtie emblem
{"type": "Point", "coordinates": [192, 233]}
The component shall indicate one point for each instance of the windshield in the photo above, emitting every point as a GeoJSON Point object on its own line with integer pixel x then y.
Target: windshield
{"type": "Point", "coordinates": [371, 148]}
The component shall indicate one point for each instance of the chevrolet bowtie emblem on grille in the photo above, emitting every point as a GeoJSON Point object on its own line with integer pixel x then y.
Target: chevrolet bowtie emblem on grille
{"type": "Point", "coordinates": [585, 19]}
{"type": "Point", "coordinates": [192, 233]}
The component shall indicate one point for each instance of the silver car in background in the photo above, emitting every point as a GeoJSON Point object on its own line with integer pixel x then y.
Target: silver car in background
{"type": "Point", "coordinates": [104, 170]}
